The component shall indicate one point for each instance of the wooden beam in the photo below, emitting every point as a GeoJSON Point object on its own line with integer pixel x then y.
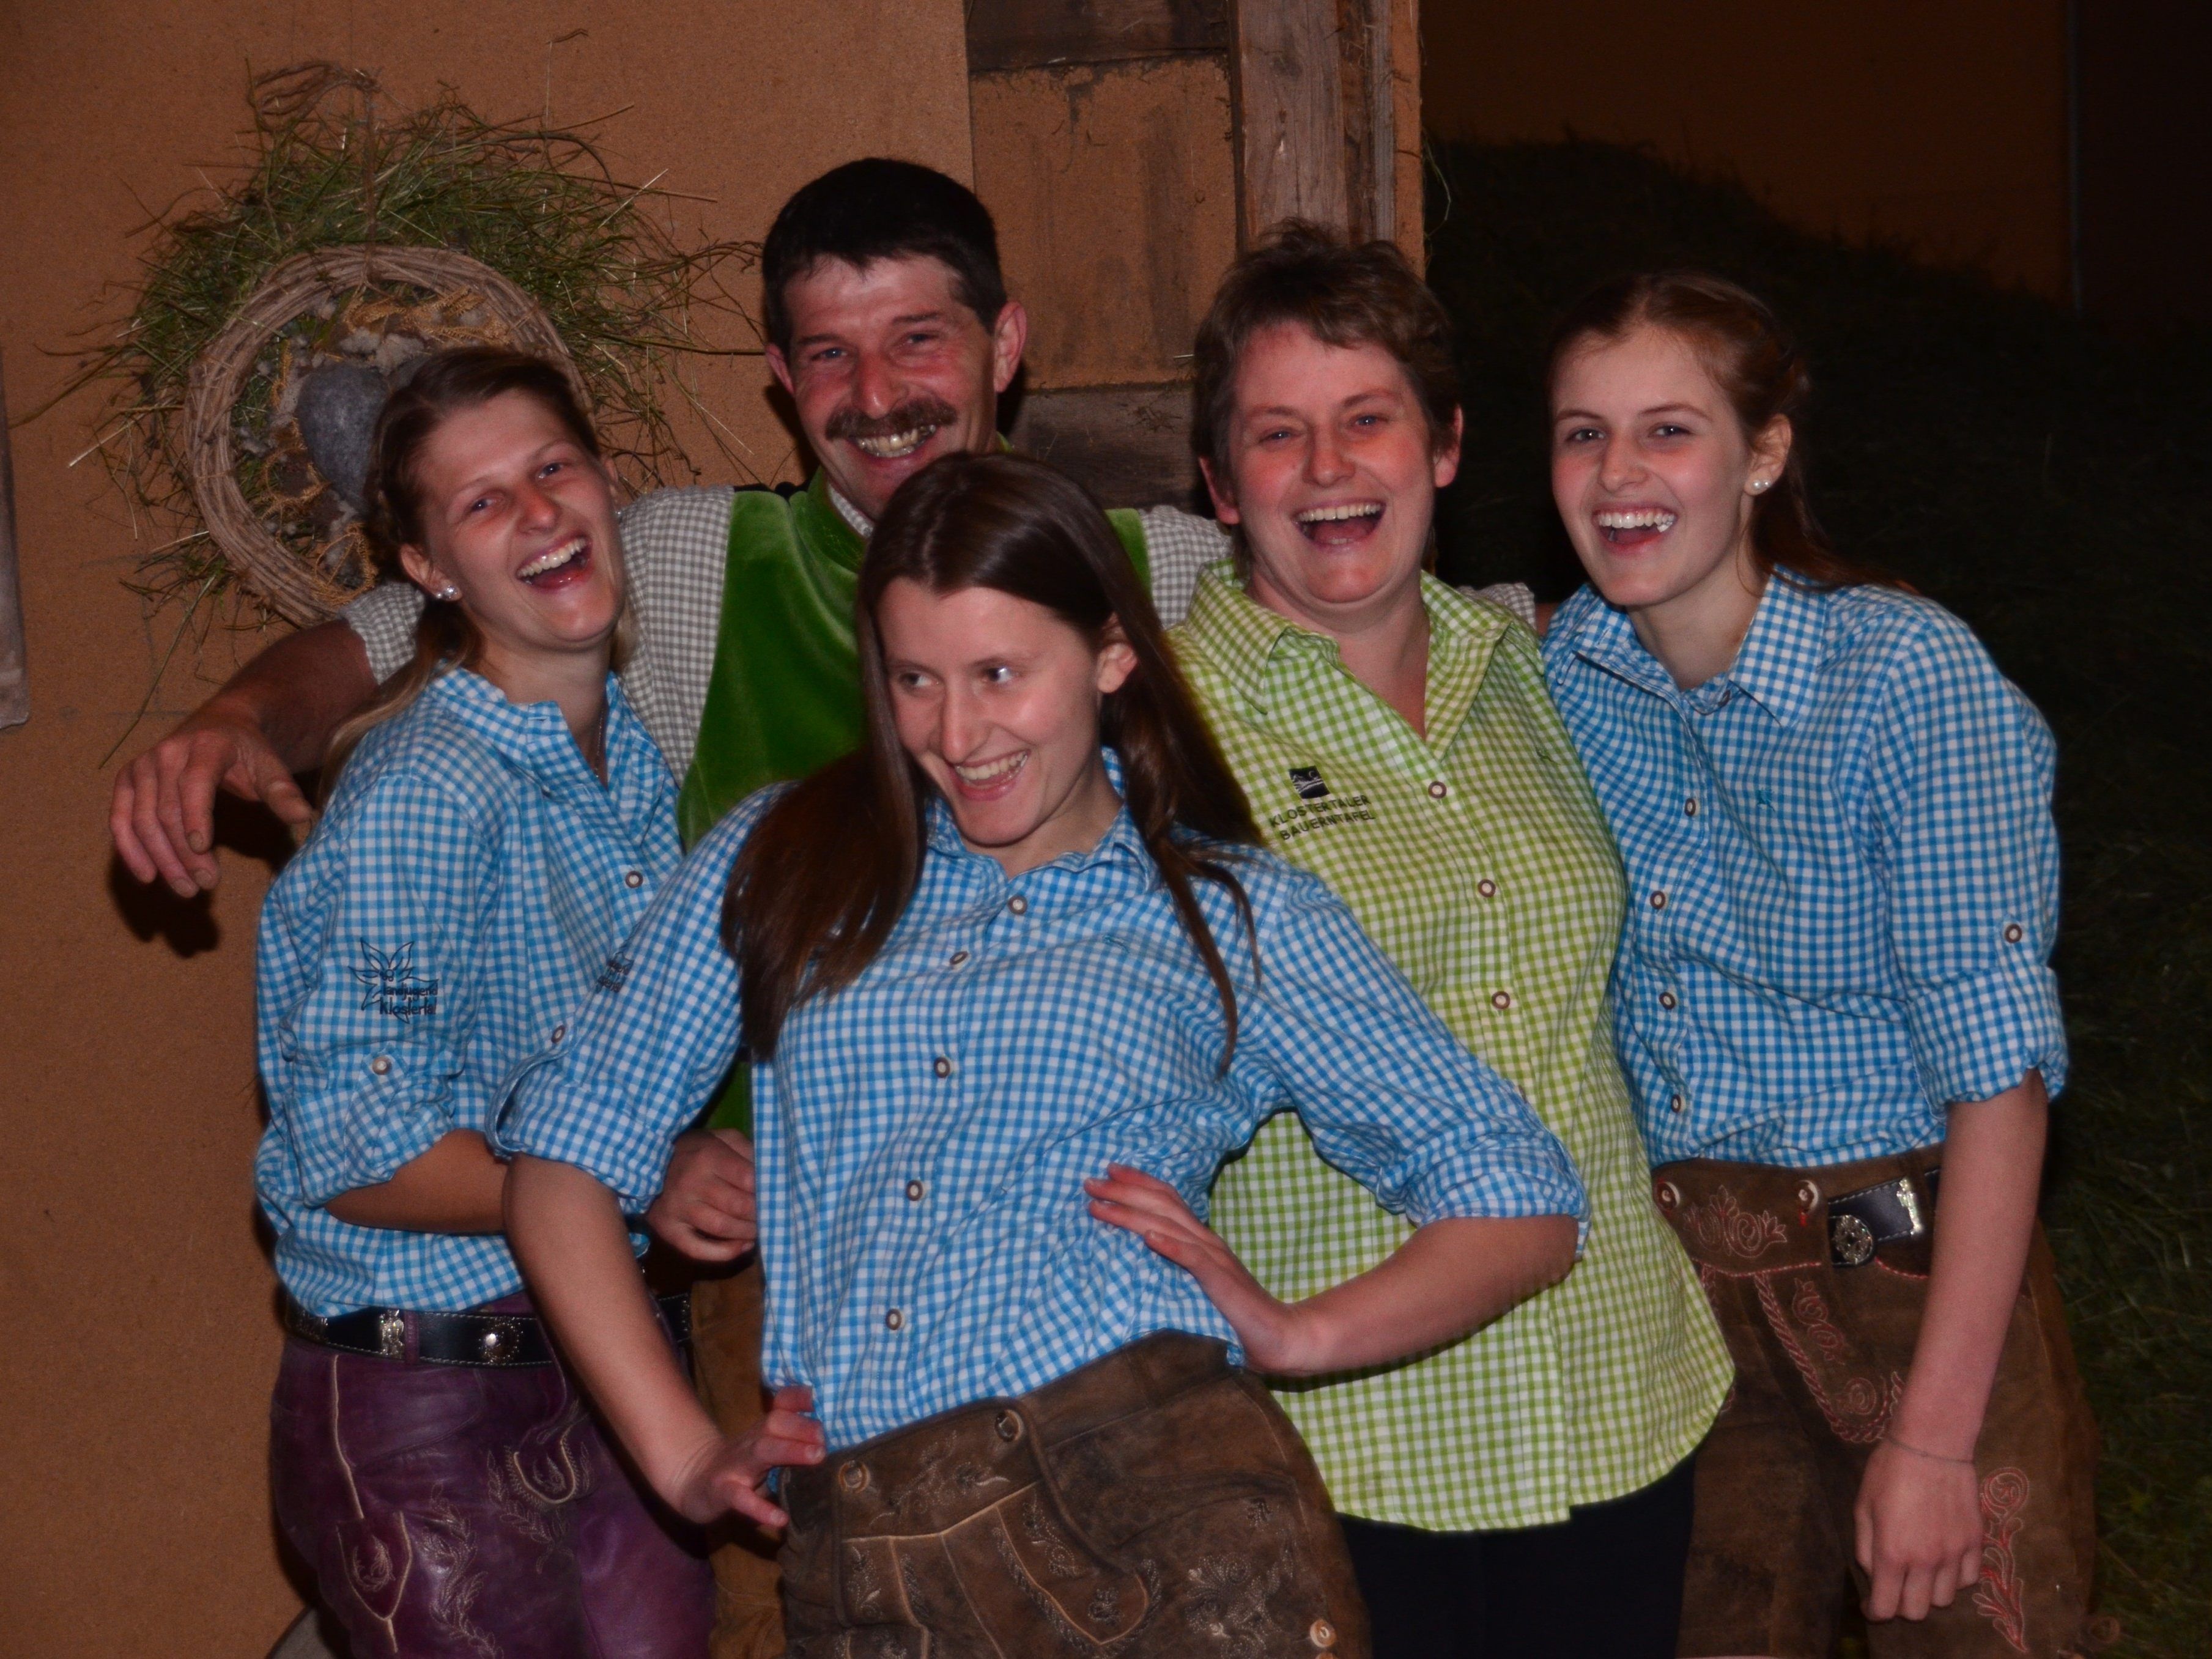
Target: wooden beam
{"type": "Point", "coordinates": [1128, 445]}
{"type": "Point", "coordinates": [1021, 34]}
{"type": "Point", "coordinates": [1287, 75]}
{"type": "Point", "coordinates": [14, 676]}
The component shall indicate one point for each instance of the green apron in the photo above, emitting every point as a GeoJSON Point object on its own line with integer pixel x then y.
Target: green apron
{"type": "Point", "coordinates": [784, 698]}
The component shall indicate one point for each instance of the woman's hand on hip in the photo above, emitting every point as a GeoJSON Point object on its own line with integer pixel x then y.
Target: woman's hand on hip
{"type": "Point", "coordinates": [1919, 1523]}
{"type": "Point", "coordinates": [728, 1472]}
{"type": "Point", "coordinates": [1272, 1332]}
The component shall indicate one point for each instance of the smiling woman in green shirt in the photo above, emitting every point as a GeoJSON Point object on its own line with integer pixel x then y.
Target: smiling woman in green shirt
{"type": "Point", "coordinates": [1526, 1489]}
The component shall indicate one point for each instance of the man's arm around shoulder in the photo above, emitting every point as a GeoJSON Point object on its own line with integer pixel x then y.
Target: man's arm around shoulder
{"type": "Point", "coordinates": [274, 718]}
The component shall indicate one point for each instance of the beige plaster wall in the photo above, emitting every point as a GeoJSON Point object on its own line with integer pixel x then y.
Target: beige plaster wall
{"type": "Point", "coordinates": [134, 1298]}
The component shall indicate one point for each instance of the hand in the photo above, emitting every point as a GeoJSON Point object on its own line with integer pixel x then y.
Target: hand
{"type": "Point", "coordinates": [1919, 1525]}
{"type": "Point", "coordinates": [705, 1209]}
{"type": "Point", "coordinates": [1272, 1332]}
{"type": "Point", "coordinates": [728, 1473]}
{"type": "Point", "coordinates": [163, 816]}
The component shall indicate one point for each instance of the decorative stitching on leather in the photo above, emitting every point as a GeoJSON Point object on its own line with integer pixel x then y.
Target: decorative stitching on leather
{"type": "Point", "coordinates": [1722, 1223]}
{"type": "Point", "coordinates": [2000, 1596]}
{"type": "Point", "coordinates": [1858, 1412]}
{"type": "Point", "coordinates": [447, 1549]}
{"type": "Point", "coordinates": [374, 1575]}
{"type": "Point", "coordinates": [1233, 1604]}
{"type": "Point", "coordinates": [1064, 1629]}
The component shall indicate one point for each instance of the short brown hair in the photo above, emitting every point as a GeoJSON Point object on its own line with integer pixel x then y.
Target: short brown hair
{"type": "Point", "coordinates": [1343, 295]}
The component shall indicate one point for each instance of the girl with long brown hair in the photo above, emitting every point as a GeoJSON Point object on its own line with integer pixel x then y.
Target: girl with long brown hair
{"type": "Point", "coordinates": [1014, 982]}
{"type": "Point", "coordinates": [1833, 998]}
{"type": "Point", "coordinates": [498, 824]}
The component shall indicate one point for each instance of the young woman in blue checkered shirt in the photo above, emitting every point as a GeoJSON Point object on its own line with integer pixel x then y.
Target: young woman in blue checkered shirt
{"type": "Point", "coordinates": [1015, 980]}
{"type": "Point", "coordinates": [501, 822]}
{"type": "Point", "coordinates": [1833, 998]}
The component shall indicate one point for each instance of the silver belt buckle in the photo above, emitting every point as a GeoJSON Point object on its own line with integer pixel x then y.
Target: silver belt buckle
{"type": "Point", "coordinates": [500, 1342]}
{"type": "Point", "coordinates": [392, 1333]}
{"type": "Point", "coordinates": [1852, 1239]}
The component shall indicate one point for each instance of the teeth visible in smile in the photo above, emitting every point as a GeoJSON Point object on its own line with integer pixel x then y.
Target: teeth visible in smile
{"type": "Point", "coordinates": [1642, 518]}
{"type": "Point", "coordinates": [554, 557]}
{"type": "Point", "coordinates": [992, 771]}
{"type": "Point", "coordinates": [897, 444]}
{"type": "Point", "coordinates": [1345, 510]}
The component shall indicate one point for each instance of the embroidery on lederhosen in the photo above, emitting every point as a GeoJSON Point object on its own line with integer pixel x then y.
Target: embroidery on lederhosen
{"type": "Point", "coordinates": [1857, 1404]}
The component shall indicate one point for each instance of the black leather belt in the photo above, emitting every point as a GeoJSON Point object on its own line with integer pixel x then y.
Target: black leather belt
{"type": "Point", "coordinates": [1860, 1223]}
{"type": "Point", "coordinates": [453, 1339]}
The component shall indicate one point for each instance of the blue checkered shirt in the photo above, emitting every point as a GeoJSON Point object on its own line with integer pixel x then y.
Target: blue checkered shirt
{"type": "Point", "coordinates": [469, 880]}
{"type": "Point", "coordinates": [924, 1133]}
{"type": "Point", "coordinates": [1843, 874]}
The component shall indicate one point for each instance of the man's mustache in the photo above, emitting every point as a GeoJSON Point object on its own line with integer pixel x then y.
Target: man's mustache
{"type": "Point", "coordinates": [849, 423]}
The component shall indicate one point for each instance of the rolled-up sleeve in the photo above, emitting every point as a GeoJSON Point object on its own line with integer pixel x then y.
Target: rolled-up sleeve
{"type": "Point", "coordinates": [384, 619]}
{"type": "Point", "coordinates": [366, 1070]}
{"type": "Point", "coordinates": [1391, 1096]}
{"type": "Point", "coordinates": [1961, 774]}
{"type": "Point", "coordinates": [648, 1047]}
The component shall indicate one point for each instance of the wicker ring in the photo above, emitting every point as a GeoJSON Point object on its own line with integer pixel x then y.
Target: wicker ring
{"type": "Point", "coordinates": [298, 593]}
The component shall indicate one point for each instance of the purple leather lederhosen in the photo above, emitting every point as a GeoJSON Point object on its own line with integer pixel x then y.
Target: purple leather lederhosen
{"type": "Point", "coordinates": [475, 1511]}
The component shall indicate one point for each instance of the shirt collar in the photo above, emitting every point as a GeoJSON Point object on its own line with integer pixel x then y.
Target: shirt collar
{"type": "Point", "coordinates": [1244, 639]}
{"type": "Point", "coordinates": [534, 737]}
{"type": "Point", "coordinates": [1778, 665]}
{"type": "Point", "coordinates": [863, 525]}
{"type": "Point", "coordinates": [855, 520]}
{"type": "Point", "coordinates": [1122, 839]}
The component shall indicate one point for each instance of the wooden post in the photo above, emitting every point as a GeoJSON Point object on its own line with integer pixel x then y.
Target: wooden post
{"type": "Point", "coordinates": [15, 678]}
{"type": "Point", "coordinates": [1286, 71]}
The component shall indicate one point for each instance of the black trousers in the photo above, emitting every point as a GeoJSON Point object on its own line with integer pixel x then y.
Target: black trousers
{"type": "Point", "coordinates": [1604, 1583]}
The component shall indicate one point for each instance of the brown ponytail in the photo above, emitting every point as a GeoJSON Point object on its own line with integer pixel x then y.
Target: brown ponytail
{"type": "Point", "coordinates": [443, 384]}
{"type": "Point", "coordinates": [1755, 363]}
{"type": "Point", "coordinates": [831, 867]}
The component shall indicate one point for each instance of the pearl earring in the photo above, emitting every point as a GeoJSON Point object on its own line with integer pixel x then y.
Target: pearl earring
{"type": "Point", "coordinates": [1758, 484]}
{"type": "Point", "coordinates": [449, 592]}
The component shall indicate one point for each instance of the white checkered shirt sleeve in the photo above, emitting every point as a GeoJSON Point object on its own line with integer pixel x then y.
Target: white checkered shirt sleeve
{"type": "Point", "coordinates": [1969, 857]}
{"type": "Point", "coordinates": [653, 1040]}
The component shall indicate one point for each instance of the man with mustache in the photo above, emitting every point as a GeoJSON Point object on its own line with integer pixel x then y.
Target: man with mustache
{"type": "Point", "coordinates": [888, 323]}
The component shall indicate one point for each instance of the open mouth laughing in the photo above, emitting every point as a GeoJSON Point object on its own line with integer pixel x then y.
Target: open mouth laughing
{"type": "Point", "coordinates": [897, 435]}
{"type": "Point", "coordinates": [1336, 523]}
{"type": "Point", "coordinates": [1633, 526]}
{"type": "Point", "coordinates": [562, 561]}
{"type": "Point", "coordinates": [981, 780]}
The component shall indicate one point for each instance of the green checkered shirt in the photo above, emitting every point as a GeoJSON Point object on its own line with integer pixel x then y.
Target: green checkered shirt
{"type": "Point", "coordinates": [1479, 862]}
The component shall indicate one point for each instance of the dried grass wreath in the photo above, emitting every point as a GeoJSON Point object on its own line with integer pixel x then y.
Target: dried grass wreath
{"type": "Point", "coordinates": [322, 314]}
{"type": "Point", "coordinates": [269, 323]}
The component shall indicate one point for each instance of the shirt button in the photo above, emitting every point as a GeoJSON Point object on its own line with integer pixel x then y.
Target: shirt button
{"type": "Point", "coordinates": [2014, 932]}
{"type": "Point", "coordinates": [1658, 901]}
{"type": "Point", "coordinates": [633, 878]}
{"type": "Point", "coordinates": [894, 1319]}
{"type": "Point", "coordinates": [1438, 790]}
{"type": "Point", "coordinates": [1487, 888]}
{"type": "Point", "coordinates": [1675, 1104]}
{"type": "Point", "coordinates": [1690, 807]}
{"type": "Point", "coordinates": [1018, 905]}
{"type": "Point", "coordinates": [943, 1067]}
{"type": "Point", "coordinates": [1501, 1001]}
{"type": "Point", "coordinates": [380, 1065]}
{"type": "Point", "coordinates": [913, 1192]}
{"type": "Point", "coordinates": [560, 1031]}
{"type": "Point", "coordinates": [957, 957]}
{"type": "Point", "coordinates": [1666, 998]}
